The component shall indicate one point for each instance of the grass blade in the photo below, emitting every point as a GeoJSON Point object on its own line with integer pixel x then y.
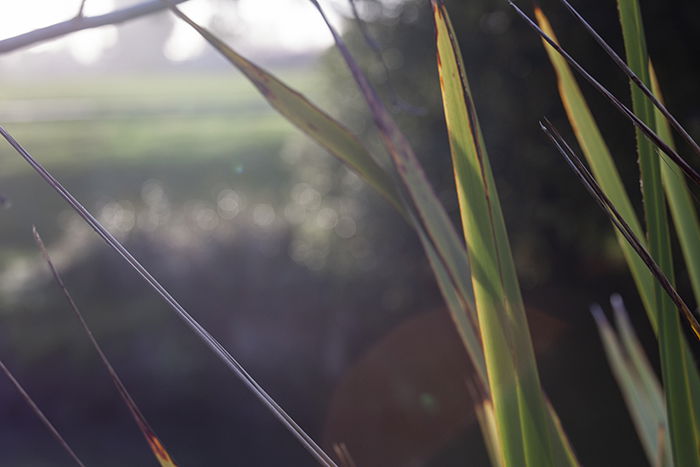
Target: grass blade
{"type": "Point", "coordinates": [637, 356]}
{"type": "Point", "coordinates": [685, 219]}
{"type": "Point", "coordinates": [498, 341]}
{"type": "Point", "coordinates": [37, 411]}
{"type": "Point", "coordinates": [675, 363]}
{"type": "Point", "coordinates": [650, 383]}
{"type": "Point", "coordinates": [487, 421]}
{"type": "Point", "coordinates": [196, 328]}
{"type": "Point", "coordinates": [528, 435]}
{"type": "Point", "coordinates": [644, 402]}
{"type": "Point", "coordinates": [683, 211]}
{"type": "Point", "coordinates": [159, 451]}
{"type": "Point", "coordinates": [658, 103]}
{"type": "Point", "coordinates": [638, 122]}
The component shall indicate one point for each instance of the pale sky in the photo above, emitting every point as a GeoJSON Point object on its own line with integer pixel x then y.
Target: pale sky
{"type": "Point", "coordinates": [292, 25]}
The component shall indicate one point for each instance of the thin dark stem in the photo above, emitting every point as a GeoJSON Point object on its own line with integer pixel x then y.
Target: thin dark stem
{"type": "Point", "coordinates": [673, 155]}
{"type": "Point", "coordinates": [397, 146]}
{"type": "Point", "coordinates": [397, 102]}
{"type": "Point", "coordinates": [633, 76]}
{"type": "Point", "coordinates": [198, 330]}
{"type": "Point", "coordinates": [601, 198]}
{"type": "Point", "coordinates": [136, 413]}
{"type": "Point", "coordinates": [80, 22]}
{"type": "Point", "coordinates": [37, 411]}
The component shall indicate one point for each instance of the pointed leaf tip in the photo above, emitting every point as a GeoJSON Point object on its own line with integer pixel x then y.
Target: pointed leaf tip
{"type": "Point", "coordinates": [598, 315]}
{"type": "Point", "coordinates": [154, 443]}
{"type": "Point", "coordinates": [159, 450]}
{"type": "Point", "coordinates": [616, 302]}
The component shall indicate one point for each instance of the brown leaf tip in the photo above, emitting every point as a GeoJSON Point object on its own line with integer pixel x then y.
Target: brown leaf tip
{"type": "Point", "coordinates": [160, 452]}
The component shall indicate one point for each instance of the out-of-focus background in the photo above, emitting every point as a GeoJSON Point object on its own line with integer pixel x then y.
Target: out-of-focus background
{"type": "Point", "coordinates": [303, 272]}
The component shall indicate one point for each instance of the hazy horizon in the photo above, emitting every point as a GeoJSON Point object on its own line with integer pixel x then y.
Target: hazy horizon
{"type": "Point", "coordinates": [294, 34]}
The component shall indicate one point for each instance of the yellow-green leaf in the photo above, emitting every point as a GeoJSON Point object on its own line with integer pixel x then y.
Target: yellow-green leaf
{"type": "Point", "coordinates": [528, 431]}
{"type": "Point", "coordinates": [676, 363]}
{"type": "Point", "coordinates": [685, 217]}
{"type": "Point", "coordinates": [299, 111]}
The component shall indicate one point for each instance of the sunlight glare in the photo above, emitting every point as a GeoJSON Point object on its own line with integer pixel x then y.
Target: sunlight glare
{"type": "Point", "coordinates": [184, 42]}
{"type": "Point", "coordinates": [292, 26]}
{"type": "Point", "coordinates": [85, 46]}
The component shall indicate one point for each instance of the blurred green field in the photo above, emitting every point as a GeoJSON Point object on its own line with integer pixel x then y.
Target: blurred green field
{"type": "Point", "coordinates": [203, 155]}
{"type": "Point", "coordinates": [105, 137]}
{"type": "Point", "coordinates": [135, 120]}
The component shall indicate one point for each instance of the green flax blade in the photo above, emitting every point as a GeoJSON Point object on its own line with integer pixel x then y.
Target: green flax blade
{"type": "Point", "coordinates": [685, 217]}
{"type": "Point", "coordinates": [528, 430]}
{"type": "Point", "coordinates": [675, 360]}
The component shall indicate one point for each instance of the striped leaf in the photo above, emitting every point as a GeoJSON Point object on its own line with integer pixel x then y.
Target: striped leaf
{"type": "Point", "coordinates": [527, 429]}
{"type": "Point", "coordinates": [675, 360]}
{"type": "Point", "coordinates": [685, 217]}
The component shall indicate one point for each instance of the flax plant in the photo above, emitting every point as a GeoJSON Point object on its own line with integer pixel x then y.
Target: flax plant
{"type": "Point", "coordinates": [473, 264]}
